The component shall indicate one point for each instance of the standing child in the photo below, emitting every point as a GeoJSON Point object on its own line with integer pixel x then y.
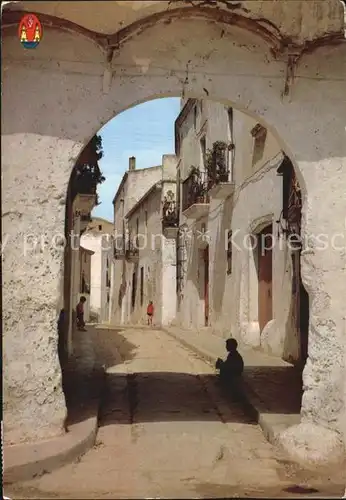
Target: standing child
{"type": "Point", "coordinates": [150, 312]}
{"type": "Point", "coordinates": [80, 314]}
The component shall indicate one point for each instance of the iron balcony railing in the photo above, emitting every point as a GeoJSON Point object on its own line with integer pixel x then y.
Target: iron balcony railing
{"type": "Point", "coordinates": [125, 247]}
{"type": "Point", "coordinates": [218, 171]}
{"type": "Point", "coordinates": [119, 248]}
{"type": "Point", "coordinates": [195, 189]}
{"type": "Point", "coordinates": [132, 248]}
{"type": "Point", "coordinates": [170, 216]}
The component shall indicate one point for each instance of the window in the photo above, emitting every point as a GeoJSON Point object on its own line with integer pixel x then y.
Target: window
{"type": "Point", "coordinates": [83, 287]}
{"type": "Point", "coordinates": [100, 227]}
{"type": "Point", "coordinates": [109, 280]}
{"type": "Point", "coordinates": [85, 257]}
{"type": "Point", "coordinates": [259, 134]}
{"type": "Point", "coordinates": [203, 151]}
{"type": "Point", "coordinates": [142, 285]}
{"type": "Point", "coordinates": [229, 252]}
{"type": "Point", "coordinates": [146, 218]}
{"type": "Point", "coordinates": [195, 117]}
{"type": "Point", "coordinates": [230, 123]}
{"type": "Point", "coordinates": [137, 232]}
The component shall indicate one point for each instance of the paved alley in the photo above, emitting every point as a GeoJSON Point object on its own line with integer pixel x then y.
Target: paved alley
{"type": "Point", "coordinates": [165, 431]}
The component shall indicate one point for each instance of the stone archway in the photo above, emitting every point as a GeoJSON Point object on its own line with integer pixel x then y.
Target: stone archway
{"type": "Point", "coordinates": [54, 102]}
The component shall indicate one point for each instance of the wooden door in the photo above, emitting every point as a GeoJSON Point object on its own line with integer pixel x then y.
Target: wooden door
{"type": "Point", "coordinates": [301, 308]}
{"type": "Point", "coordinates": [265, 282]}
{"type": "Point", "coordinates": [206, 286]}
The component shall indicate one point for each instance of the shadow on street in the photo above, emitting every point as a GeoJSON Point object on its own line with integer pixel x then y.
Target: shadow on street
{"type": "Point", "coordinates": [164, 396]}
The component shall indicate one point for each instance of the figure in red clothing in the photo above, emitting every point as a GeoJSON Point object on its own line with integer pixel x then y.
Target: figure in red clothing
{"type": "Point", "coordinates": [150, 312]}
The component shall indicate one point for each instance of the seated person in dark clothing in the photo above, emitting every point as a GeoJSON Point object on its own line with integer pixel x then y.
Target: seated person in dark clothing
{"type": "Point", "coordinates": [233, 367]}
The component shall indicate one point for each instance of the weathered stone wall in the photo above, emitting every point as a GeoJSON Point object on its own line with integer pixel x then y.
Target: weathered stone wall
{"type": "Point", "coordinates": [54, 100]}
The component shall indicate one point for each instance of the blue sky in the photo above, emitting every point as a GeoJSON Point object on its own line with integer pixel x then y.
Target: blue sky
{"type": "Point", "coordinates": [146, 132]}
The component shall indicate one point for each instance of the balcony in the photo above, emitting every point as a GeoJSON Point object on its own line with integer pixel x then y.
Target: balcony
{"type": "Point", "coordinates": [221, 187]}
{"type": "Point", "coordinates": [195, 203]}
{"type": "Point", "coordinates": [219, 176]}
{"type": "Point", "coordinates": [132, 250]}
{"type": "Point", "coordinates": [170, 218]}
{"type": "Point", "coordinates": [84, 203]}
{"type": "Point", "coordinates": [119, 249]}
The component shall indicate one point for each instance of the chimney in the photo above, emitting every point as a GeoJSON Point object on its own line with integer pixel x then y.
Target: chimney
{"type": "Point", "coordinates": [132, 163]}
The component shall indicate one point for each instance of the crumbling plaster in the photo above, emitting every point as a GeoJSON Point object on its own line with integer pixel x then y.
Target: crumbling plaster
{"type": "Point", "coordinates": [52, 107]}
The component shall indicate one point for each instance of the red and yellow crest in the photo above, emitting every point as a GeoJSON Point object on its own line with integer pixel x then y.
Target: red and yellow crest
{"type": "Point", "coordinates": [30, 31]}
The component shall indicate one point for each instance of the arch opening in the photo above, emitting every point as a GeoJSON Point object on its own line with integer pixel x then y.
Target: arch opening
{"type": "Point", "coordinates": [213, 125]}
{"type": "Point", "coordinates": [215, 72]}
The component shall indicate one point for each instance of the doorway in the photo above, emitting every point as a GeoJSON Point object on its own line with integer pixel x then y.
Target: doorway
{"type": "Point", "coordinates": [303, 322]}
{"type": "Point", "coordinates": [265, 276]}
{"type": "Point", "coordinates": [134, 289]}
{"type": "Point", "coordinates": [206, 285]}
{"type": "Point", "coordinates": [301, 309]}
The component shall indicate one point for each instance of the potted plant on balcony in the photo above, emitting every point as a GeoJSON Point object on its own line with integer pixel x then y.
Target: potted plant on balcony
{"type": "Point", "coordinates": [216, 163]}
{"type": "Point", "coordinates": [198, 191]}
{"type": "Point", "coordinates": [202, 195]}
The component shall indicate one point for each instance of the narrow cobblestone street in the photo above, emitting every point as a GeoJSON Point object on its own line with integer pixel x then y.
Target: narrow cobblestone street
{"type": "Point", "coordinates": [166, 431]}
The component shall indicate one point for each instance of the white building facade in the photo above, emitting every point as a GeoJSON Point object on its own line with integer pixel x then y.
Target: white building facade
{"type": "Point", "coordinates": [145, 251]}
{"type": "Point", "coordinates": [236, 272]}
{"type": "Point", "coordinates": [98, 238]}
